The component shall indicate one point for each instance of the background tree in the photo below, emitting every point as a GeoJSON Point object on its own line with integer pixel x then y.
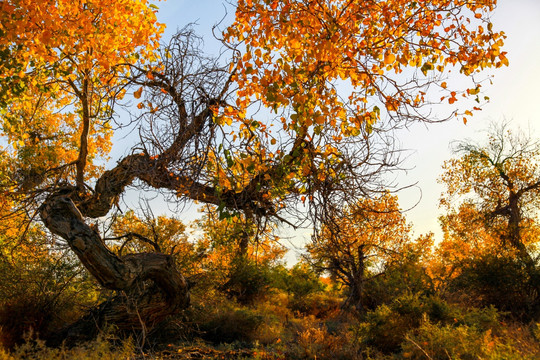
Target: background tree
{"type": "Point", "coordinates": [491, 229]}
{"type": "Point", "coordinates": [199, 138]}
{"type": "Point", "coordinates": [356, 248]}
{"type": "Point", "coordinates": [496, 186]}
{"type": "Point", "coordinates": [164, 234]}
{"type": "Point", "coordinates": [239, 257]}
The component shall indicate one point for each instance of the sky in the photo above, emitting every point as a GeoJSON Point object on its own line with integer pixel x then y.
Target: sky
{"type": "Point", "coordinates": [514, 96]}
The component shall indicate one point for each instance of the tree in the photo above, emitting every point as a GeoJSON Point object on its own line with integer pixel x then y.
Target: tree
{"type": "Point", "coordinates": [239, 256]}
{"type": "Point", "coordinates": [73, 60]}
{"type": "Point", "coordinates": [200, 136]}
{"type": "Point", "coordinates": [357, 247]}
{"type": "Point", "coordinates": [490, 246]}
{"type": "Point", "coordinates": [494, 189]}
{"type": "Point", "coordinates": [298, 51]}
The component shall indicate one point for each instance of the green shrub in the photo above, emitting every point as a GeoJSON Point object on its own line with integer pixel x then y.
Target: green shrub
{"type": "Point", "coordinates": [385, 328]}
{"type": "Point", "coordinates": [248, 281]}
{"type": "Point", "coordinates": [299, 281]}
{"type": "Point", "coordinates": [397, 280]}
{"type": "Point", "coordinates": [502, 282]}
{"type": "Point", "coordinates": [40, 296]}
{"type": "Point", "coordinates": [412, 322]}
{"type": "Point", "coordinates": [433, 341]}
{"type": "Point", "coordinates": [483, 319]}
{"type": "Point", "coordinates": [231, 325]}
{"type": "Point", "coordinates": [320, 305]}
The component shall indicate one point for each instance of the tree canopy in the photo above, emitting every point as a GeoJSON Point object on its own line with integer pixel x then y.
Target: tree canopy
{"type": "Point", "coordinates": [493, 188]}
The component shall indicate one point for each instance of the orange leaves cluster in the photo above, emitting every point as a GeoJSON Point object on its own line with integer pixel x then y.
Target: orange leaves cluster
{"type": "Point", "coordinates": [64, 61]}
{"type": "Point", "coordinates": [298, 53]}
{"type": "Point", "coordinates": [224, 235]}
{"type": "Point", "coordinates": [373, 228]}
{"type": "Point", "coordinates": [100, 34]}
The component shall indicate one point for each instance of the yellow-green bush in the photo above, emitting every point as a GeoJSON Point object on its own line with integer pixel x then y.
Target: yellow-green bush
{"type": "Point", "coordinates": [445, 342]}
{"type": "Point", "coordinates": [432, 341]}
{"type": "Point", "coordinates": [503, 282]}
{"type": "Point", "coordinates": [320, 305]}
{"type": "Point", "coordinates": [100, 349]}
{"type": "Point", "coordinates": [407, 277]}
{"type": "Point", "coordinates": [313, 340]}
{"type": "Point", "coordinates": [40, 292]}
{"type": "Point", "coordinates": [384, 328]}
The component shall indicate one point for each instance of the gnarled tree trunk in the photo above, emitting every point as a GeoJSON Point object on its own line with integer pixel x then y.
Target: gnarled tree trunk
{"type": "Point", "coordinates": [149, 286]}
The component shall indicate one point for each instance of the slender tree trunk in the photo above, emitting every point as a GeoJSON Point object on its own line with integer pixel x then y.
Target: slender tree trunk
{"type": "Point", "coordinates": [357, 281]}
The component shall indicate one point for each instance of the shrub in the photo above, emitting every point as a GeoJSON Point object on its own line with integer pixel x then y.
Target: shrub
{"type": "Point", "coordinates": [100, 349]}
{"type": "Point", "coordinates": [231, 325]}
{"type": "Point", "coordinates": [248, 281]}
{"type": "Point", "coordinates": [482, 319]}
{"type": "Point", "coordinates": [320, 305]}
{"type": "Point", "coordinates": [412, 322]}
{"type": "Point", "coordinates": [39, 296]}
{"type": "Point", "coordinates": [298, 282]}
{"type": "Point", "coordinates": [385, 328]}
{"type": "Point", "coordinates": [502, 282]}
{"type": "Point", "coordinates": [445, 342]}
{"type": "Point", "coordinates": [433, 341]}
{"type": "Point", "coordinates": [397, 280]}
{"type": "Point", "coordinates": [312, 340]}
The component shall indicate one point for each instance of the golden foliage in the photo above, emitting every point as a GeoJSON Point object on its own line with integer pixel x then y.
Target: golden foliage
{"type": "Point", "coordinates": [63, 66]}
{"type": "Point", "coordinates": [296, 52]}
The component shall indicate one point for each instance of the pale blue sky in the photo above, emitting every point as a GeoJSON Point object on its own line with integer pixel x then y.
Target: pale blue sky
{"type": "Point", "coordinates": [514, 95]}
